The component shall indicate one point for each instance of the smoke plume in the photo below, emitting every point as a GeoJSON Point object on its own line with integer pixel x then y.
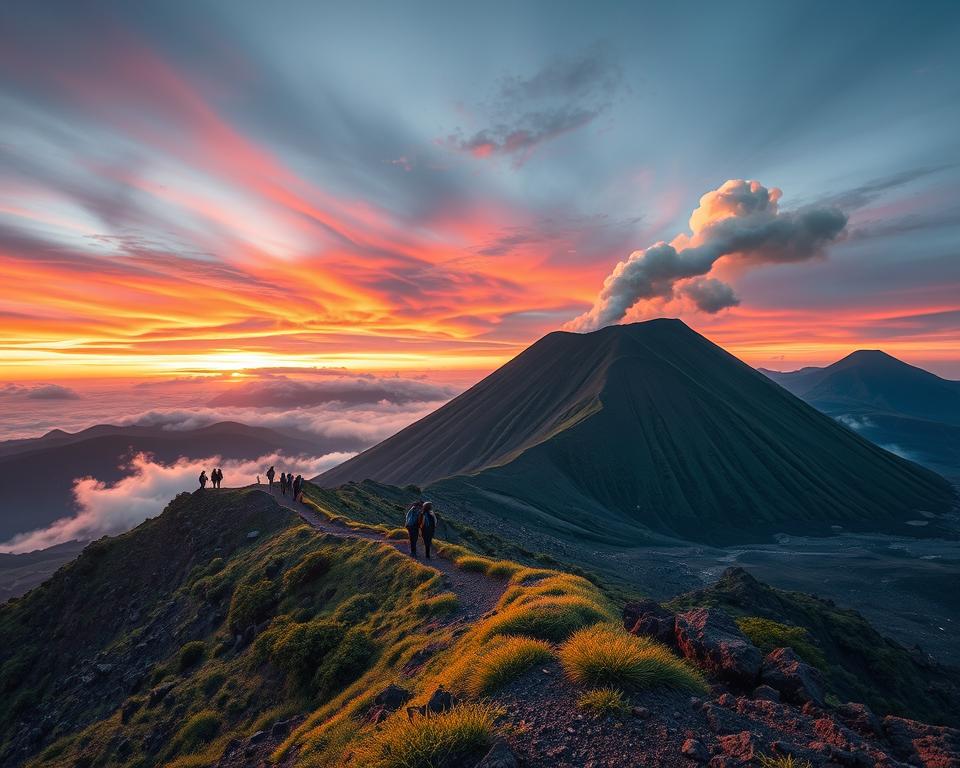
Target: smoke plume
{"type": "Point", "coordinates": [742, 220]}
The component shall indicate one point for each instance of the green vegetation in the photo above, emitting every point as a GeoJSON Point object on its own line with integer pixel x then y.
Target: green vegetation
{"type": "Point", "coordinates": [438, 605]}
{"type": "Point", "coordinates": [768, 634]}
{"type": "Point", "coordinates": [191, 653]}
{"type": "Point", "coordinates": [448, 740]}
{"type": "Point", "coordinates": [506, 659]}
{"type": "Point", "coordinates": [604, 701]}
{"type": "Point", "coordinates": [547, 618]}
{"type": "Point", "coordinates": [251, 604]}
{"type": "Point", "coordinates": [784, 761]}
{"type": "Point", "coordinates": [310, 568]}
{"type": "Point", "coordinates": [606, 655]}
{"type": "Point", "coordinates": [199, 729]}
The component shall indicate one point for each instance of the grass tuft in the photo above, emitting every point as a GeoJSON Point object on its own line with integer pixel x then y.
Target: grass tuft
{"type": "Point", "coordinates": [604, 701]}
{"type": "Point", "coordinates": [438, 605]}
{"type": "Point", "coordinates": [199, 729]}
{"type": "Point", "coordinates": [606, 655]}
{"type": "Point", "coordinates": [191, 653]}
{"type": "Point", "coordinates": [552, 618]}
{"type": "Point", "coordinates": [473, 563]}
{"type": "Point", "coordinates": [507, 659]}
{"type": "Point", "coordinates": [767, 634]}
{"type": "Point", "coordinates": [784, 761]}
{"type": "Point", "coordinates": [443, 741]}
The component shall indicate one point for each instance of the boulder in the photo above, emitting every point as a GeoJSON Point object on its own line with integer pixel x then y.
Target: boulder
{"type": "Point", "coordinates": [741, 747]}
{"type": "Point", "coordinates": [392, 698]}
{"type": "Point", "coordinates": [860, 718]}
{"type": "Point", "coordinates": [932, 746]}
{"type": "Point", "coordinates": [797, 681]}
{"type": "Point", "coordinates": [158, 693]}
{"type": "Point", "coordinates": [499, 756]}
{"type": "Point", "coordinates": [695, 750]}
{"type": "Point", "coordinates": [766, 693]}
{"type": "Point", "coordinates": [709, 637]}
{"type": "Point", "coordinates": [647, 618]}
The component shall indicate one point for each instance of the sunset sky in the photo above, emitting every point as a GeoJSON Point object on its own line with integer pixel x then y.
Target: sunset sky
{"type": "Point", "coordinates": [427, 188]}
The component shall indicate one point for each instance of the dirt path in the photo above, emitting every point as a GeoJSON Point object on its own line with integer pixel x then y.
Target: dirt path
{"type": "Point", "coordinates": [477, 592]}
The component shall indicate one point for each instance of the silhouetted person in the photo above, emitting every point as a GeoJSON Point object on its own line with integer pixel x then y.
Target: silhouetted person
{"type": "Point", "coordinates": [428, 526]}
{"type": "Point", "coordinates": [270, 475]}
{"type": "Point", "coordinates": [412, 522]}
{"type": "Point", "coordinates": [297, 487]}
{"type": "Point", "coordinates": [258, 479]}
{"type": "Point", "coordinates": [203, 479]}
{"type": "Point", "coordinates": [283, 483]}
{"type": "Point", "coordinates": [217, 477]}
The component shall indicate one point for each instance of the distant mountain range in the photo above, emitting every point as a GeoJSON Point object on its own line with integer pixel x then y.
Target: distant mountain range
{"type": "Point", "coordinates": [899, 406]}
{"type": "Point", "coordinates": [36, 475]}
{"type": "Point", "coordinates": [648, 429]}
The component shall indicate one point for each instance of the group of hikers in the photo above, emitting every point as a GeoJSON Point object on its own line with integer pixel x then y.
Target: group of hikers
{"type": "Point", "coordinates": [287, 482]}
{"type": "Point", "coordinates": [216, 477]}
{"type": "Point", "coordinates": [421, 521]}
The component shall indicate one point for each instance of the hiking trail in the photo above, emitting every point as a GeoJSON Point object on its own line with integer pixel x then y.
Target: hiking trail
{"type": "Point", "coordinates": [476, 592]}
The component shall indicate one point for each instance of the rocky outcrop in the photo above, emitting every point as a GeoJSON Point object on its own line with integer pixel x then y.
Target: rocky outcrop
{"type": "Point", "coordinates": [931, 746]}
{"type": "Point", "coordinates": [499, 756]}
{"type": "Point", "coordinates": [389, 700]}
{"type": "Point", "coordinates": [711, 639]}
{"type": "Point", "coordinates": [647, 618]}
{"type": "Point", "coordinates": [797, 681]}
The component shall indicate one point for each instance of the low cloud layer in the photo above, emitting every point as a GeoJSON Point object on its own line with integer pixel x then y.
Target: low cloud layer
{"type": "Point", "coordinates": [741, 219]}
{"type": "Point", "coordinates": [39, 392]}
{"type": "Point", "coordinates": [111, 509]}
{"type": "Point", "coordinates": [359, 390]}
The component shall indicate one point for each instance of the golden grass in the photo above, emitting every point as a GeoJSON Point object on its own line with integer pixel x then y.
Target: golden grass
{"type": "Point", "coordinates": [785, 761]}
{"type": "Point", "coordinates": [438, 605]}
{"type": "Point", "coordinates": [606, 655]}
{"type": "Point", "coordinates": [604, 701]}
{"type": "Point", "coordinates": [552, 618]}
{"type": "Point", "coordinates": [473, 563]}
{"type": "Point", "coordinates": [447, 740]}
{"type": "Point", "coordinates": [505, 660]}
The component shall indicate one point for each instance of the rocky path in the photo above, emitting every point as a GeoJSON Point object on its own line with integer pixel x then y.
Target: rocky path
{"type": "Point", "coordinates": [477, 592]}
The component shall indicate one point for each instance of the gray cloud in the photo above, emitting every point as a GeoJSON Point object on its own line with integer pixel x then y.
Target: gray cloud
{"type": "Point", "coordinates": [350, 391]}
{"type": "Point", "coordinates": [742, 218]}
{"type": "Point", "coordinates": [39, 392]}
{"type": "Point", "coordinates": [562, 97]}
{"type": "Point", "coordinates": [709, 294]}
{"type": "Point", "coordinates": [864, 194]}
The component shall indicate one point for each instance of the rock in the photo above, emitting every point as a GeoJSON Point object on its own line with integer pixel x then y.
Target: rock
{"type": "Point", "coordinates": [640, 712]}
{"type": "Point", "coordinates": [797, 681]}
{"type": "Point", "coordinates": [709, 637]}
{"type": "Point", "coordinates": [441, 700]}
{"type": "Point", "coordinates": [252, 534]}
{"type": "Point", "coordinates": [103, 669]}
{"type": "Point", "coordinates": [256, 738]}
{"type": "Point", "coordinates": [281, 728]}
{"type": "Point", "coordinates": [932, 746]}
{"type": "Point", "coordinates": [647, 618]}
{"type": "Point", "coordinates": [739, 746]}
{"type": "Point", "coordinates": [860, 718]}
{"type": "Point", "coordinates": [766, 693]}
{"type": "Point", "coordinates": [694, 749]}
{"type": "Point", "coordinates": [129, 708]}
{"type": "Point", "coordinates": [499, 756]}
{"type": "Point", "coordinates": [392, 698]}
{"type": "Point", "coordinates": [158, 693]}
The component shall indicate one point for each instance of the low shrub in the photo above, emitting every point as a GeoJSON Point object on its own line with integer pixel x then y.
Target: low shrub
{"type": "Point", "coordinates": [190, 654]}
{"type": "Point", "coordinates": [199, 729]}
{"type": "Point", "coordinates": [448, 740]}
{"type": "Point", "coordinates": [606, 655]}
{"type": "Point", "coordinates": [356, 608]}
{"type": "Point", "coordinates": [546, 618]}
{"type": "Point", "coordinates": [251, 604]}
{"type": "Point", "coordinates": [473, 563]}
{"type": "Point", "coordinates": [297, 649]}
{"type": "Point", "coordinates": [782, 761]}
{"type": "Point", "coordinates": [506, 659]}
{"type": "Point", "coordinates": [604, 701]}
{"type": "Point", "coordinates": [768, 634]}
{"type": "Point", "coordinates": [310, 568]}
{"type": "Point", "coordinates": [350, 659]}
{"type": "Point", "coordinates": [438, 605]}
{"type": "Point", "coordinates": [502, 569]}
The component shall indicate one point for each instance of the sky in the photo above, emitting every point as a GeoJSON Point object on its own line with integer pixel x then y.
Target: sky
{"type": "Point", "coordinates": [424, 189]}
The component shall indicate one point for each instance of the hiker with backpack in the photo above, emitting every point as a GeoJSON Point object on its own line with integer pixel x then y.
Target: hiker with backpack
{"type": "Point", "coordinates": [283, 483]}
{"type": "Point", "coordinates": [428, 525]}
{"type": "Point", "coordinates": [297, 487]}
{"type": "Point", "coordinates": [270, 475]}
{"type": "Point", "coordinates": [203, 479]}
{"type": "Point", "coordinates": [412, 522]}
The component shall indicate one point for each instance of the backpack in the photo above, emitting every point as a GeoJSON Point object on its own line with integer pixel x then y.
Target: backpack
{"type": "Point", "coordinates": [413, 515]}
{"type": "Point", "coordinates": [428, 522]}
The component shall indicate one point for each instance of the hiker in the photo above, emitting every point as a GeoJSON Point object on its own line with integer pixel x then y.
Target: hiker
{"type": "Point", "coordinates": [283, 483]}
{"type": "Point", "coordinates": [203, 479]}
{"type": "Point", "coordinates": [217, 477]}
{"type": "Point", "coordinates": [412, 522]}
{"type": "Point", "coordinates": [297, 487]}
{"type": "Point", "coordinates": [258, 479]}
{"type": "Point", "coordinates": [270, 475]}
{"type": "Point", "coordinates": [428, 525]}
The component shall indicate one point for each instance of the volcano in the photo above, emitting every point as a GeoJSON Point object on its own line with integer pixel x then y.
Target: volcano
{"type": "Point", "coordinates": [647, 429]}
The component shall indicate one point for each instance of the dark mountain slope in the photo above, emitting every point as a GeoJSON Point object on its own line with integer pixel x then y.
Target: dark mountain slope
{"type": "Point", "coordinates": [36, 476]}
{"type": "Point", "coordinates": [647, 428]}
{"type": "Point", "coordinates": [875, 381]}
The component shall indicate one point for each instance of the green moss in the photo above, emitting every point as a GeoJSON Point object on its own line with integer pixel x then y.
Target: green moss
{"type": "Point", "coordinates": [251, 604]}
{"type": "Point", "coordinates": [190, 654]}
{"type": "Point", "coordinates": [768, 634]}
